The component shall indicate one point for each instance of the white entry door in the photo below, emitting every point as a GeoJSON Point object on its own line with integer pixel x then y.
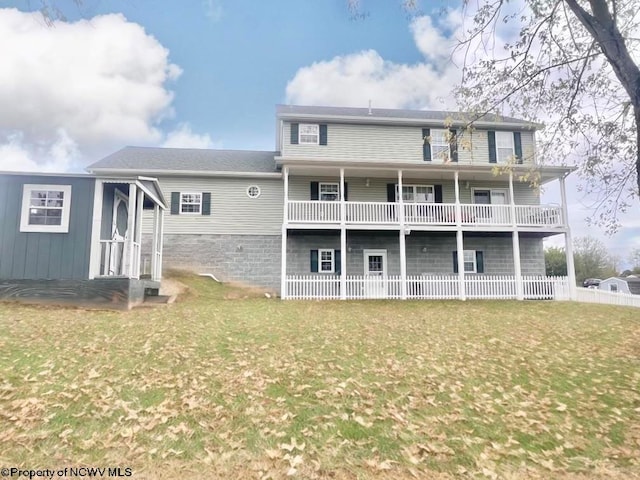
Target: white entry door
{"type": "Point", "coordinates": [118, 255]}
{"type": "Point", "coordinates": [375, 273]}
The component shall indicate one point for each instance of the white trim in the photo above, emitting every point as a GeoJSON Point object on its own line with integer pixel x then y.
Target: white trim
{"type": "Point", "coordinates": [333, 260]}
{"type": "Point", "coordinates": [338, 193]}
{"type": "Point", "coordinates": [374, 251]}
{"type": "Point", "coordinates": [199, 203]}
{"type": "Point", "coordinates": [96, 230]}
{"type": "Point", "coordinates": [257, 195]}
{"type": "Point", "coordinates": [126, 173]}
{"type": "Point", "coordinates": [25, 226]}
{"type": "Point", "coordinates": [317, 134]}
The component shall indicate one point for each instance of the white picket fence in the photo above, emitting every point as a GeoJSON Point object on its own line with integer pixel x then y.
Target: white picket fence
{"type": "Point", "coordinates": [594, 295]}
{"type": "Point", "coordinates": [428, 287]}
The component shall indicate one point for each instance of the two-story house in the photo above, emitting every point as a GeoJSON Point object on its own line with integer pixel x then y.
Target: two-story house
{"type": "Point", "coordinates": [364, 203]}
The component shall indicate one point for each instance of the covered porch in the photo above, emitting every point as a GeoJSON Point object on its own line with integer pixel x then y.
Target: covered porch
{"type": "Point", "coordinates": [117, 240]}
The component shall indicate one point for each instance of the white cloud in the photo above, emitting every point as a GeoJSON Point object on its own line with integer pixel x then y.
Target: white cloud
{"type": "Point", "coordinates": [80, 89]}
{"type": "Point", "coordinates": [354, 79]}
{"type": "Point", "coordinates": [184, 137]}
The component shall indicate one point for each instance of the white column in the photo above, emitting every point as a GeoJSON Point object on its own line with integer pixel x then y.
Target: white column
{"type": "Point", "coordinates": [160, 242]}
{"type": "Point", "coordinates": [459, 239]}
{"type": "Point", "coordinates": [515, 236]}
{"type": "Point", "coordinates": [154, 243]}
{"type": "Point", "coordinates": [568, 242]}
{"type": "Point", "coordinates": [138, 253]}
{"type": "Point", "coordinates": [403, 252]}
{"type": "Point", "coordinates": [131, 226]}
{"type": "Point", "coordinates": [285, 221]}
{"type": "Point", "coordinates": [96, 231]}
{"type": "Point", "coordinates": [343, 240]}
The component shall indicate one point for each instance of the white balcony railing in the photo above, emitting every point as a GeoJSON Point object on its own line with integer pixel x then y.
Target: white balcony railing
{"type": "Point", "coordinates": [425, 214]}
{"type": "Point", "coordinates": [431, 287]}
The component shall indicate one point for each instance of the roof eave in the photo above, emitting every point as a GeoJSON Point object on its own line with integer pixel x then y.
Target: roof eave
{"type": "Point", "coordinates": [120, 172]}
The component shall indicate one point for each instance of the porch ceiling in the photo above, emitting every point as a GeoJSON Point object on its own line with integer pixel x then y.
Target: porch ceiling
{"type": "Point", "coordinates": [434, 172]}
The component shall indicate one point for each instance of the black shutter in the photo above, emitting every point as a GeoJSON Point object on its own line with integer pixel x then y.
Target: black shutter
{"type": "Point", "coordinates": [294, 134]}
{"type": "Point", "coordinates": [391, 192]}
{"type": "Point", "coordinates": [337, 264]}
{"type": "Point", "coordinates": [346, 191]}
{"type": "Point", "coordinates": [426, 146]}
{"type": "Point", "coordinates": [323, 134]}
{"type": "Point", "coordinates": [314, 261]}
{"type": "Point", "coordinates": [206, 203]}
{"type": "Point", "coordinates": [492, 147]}
{"type": "Point", "coordinates": [517, 145]}
{"type": "Point", "coordinates": [455, 261]}
{"type": "Point", "coordinates": [437, 193]}
{"type": "Point", "coordinates": [453, 145]}
{"type": "Point", "coordinates": [175, 203]}
{"type": "Point", "coordinates": [479, 262]}
{"type": "Point", "coordinates": [315, 190]}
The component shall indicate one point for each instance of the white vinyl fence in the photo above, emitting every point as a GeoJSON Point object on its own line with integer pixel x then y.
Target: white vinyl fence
{"type": "Point", "coordinates": [431, 287]}
{"type": "Point", "coordinates": [594, 295]}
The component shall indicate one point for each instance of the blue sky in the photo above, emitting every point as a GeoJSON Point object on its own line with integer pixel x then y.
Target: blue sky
{"type": "Point", "coordinates": [208, 74]}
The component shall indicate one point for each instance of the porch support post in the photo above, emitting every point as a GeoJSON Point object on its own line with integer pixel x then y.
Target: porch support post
{"type": "Point", "coordinates": [285, 222]}
{"type": "Point", "coordinates": [160, 241]}
{"type": "Point", "coordinates": [568, 243]}
{"type": "Point", "coordinates": [131, 225]}
{"type": "Point", "coordinates": [403, 252]}
{"type": "Point", "coordinates": [154, 243]}
{"type": "Point", "coordinates": [96, 230]}
{"type": "Point", "coordinates": [517, 268]}
{"type": "Point", "coordinates": [138, 254]}
{"type": "Point", "coordinates": [459, 239]}
{"type": "Point", "coordinates": [343, 240]}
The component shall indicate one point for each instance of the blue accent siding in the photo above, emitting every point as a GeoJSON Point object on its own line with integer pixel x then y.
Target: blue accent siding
{"type": "Point", "coordinates": [36, 256]}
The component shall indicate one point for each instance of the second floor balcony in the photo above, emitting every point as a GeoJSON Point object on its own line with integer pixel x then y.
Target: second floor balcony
{"type": "Point", "coordinates": [424, 214]}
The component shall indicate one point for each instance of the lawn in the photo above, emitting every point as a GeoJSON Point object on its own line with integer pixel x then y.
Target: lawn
{"type": "Point", "coordinates": [221, 386]}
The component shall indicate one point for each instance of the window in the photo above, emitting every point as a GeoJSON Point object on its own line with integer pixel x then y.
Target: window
{"type": "Point", "coordinates": [45, 208]}
{"type": "Point", "coordinates": [469, 261]}
{"type": "Point", "coordinates": [190, 203]}
{"type": "Point", "coordinates": [613, 287]}
{"type": "Point", "coordinates": [504, 147]}
{"type": "Point", "coordinates": [329, 192]}
{"type": "Point", "coordinates": [325, 264]}
{"type": "Point", "coordinates": [309, 134]}
{"type": "Point", "coordinates": [417, 193]}
{"type": "Point", "coordinates": [494, 196]}
{"type": "Point", "coordinates": [440, 145]}
{"type": "Point", "coordinates": [253, 191]}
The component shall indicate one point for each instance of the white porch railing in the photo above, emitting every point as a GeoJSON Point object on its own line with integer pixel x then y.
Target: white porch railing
{"type": "Point", "coordinates": [594, 295]}
{"type": "Point", "coordinates": [115, 259]}
{"type": "Point", "coordinates": [424, 214]}
{"type": "Point", "coordinates": [371, 212]}
{"type": "Point", "coordinates": [314, 212]}
{"type": "Point", "coordinates": [433, 287]}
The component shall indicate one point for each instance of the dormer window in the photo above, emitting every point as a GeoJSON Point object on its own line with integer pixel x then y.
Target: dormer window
{"type": "Point", "coordinates": [309, 134]}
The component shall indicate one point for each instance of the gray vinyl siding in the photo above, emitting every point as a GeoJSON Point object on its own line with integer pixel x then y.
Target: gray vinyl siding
{"type": "Point", "coordinates": [390, 143]}
{"type": "Point", "coordinates": [39, 256]}
{"type": "Point", "coordinates": [232, 211]}
{"type": "Point", "coordinates": [299, 189]}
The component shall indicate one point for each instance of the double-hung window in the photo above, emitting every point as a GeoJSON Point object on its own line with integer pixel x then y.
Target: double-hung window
{"type": "Point", "coordinates": [325, 261]}
{"type": "Point", "coordinates": [440, 148]}
{"type": "Point", "coordinates": [329, 192]}
{"type": "Point", "coordinates": [505, 150]}
{"type": "Point", "coordinates": [45, 208]}
{"type": "Point", "coordinates": [191, 203]}
{"type": "Point", "coordinates": [470, 261]}
{"type": "Point", "coordinates": [417, 193]}
{"type": "Point", "coordinates": [309, 134]}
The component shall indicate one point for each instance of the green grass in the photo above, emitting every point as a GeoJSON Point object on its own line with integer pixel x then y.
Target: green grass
{"type": "Point", "coordinates": [221, 386]}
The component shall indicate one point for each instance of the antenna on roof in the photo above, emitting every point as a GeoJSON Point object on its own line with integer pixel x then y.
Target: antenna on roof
{"type": "Point", "coordinates": [369, 106]}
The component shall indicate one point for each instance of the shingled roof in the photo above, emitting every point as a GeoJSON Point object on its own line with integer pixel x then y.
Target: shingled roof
{"type": "Point", "coordinates": [155, 159]}
{"type": "Point", "coordinates": [398, 114]}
